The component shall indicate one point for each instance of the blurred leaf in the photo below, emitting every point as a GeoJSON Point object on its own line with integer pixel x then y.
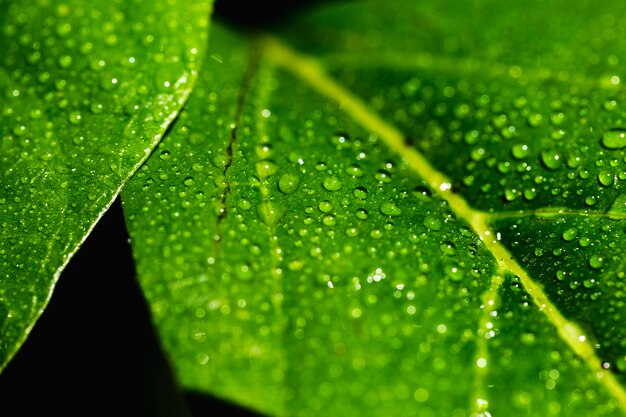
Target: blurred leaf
{"type": "Point", "coordinates": [86, 92]}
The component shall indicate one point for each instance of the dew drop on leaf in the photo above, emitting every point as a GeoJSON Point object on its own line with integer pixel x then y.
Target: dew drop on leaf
{"type": "Point", "coordinates": [288, 183]}
{"type": "Point", "coordinates": [331, 184]}
{"type": "Point", "coordinates": [329, 220]}
{"type": "Point", "coordinates": [422, 193]}
{"type": "Point", "coordinates": [520, 151]}
{"type": "Point", "coordinates": [383, 175]}
{"type": "Point", "coordinates": [596, 261]}
{"type": "Point", "coordinates": [362, 214]}
{"type": "Point", "coordinates": [325, 206]}
{"type": "Point", "coordinates": [432, 223]}
{"type": "Point", "coordinates": [266, 168]}
{"type": "Point", "coordinates": [448, 248]}
{"type": "Point", "coordinates": [454, 272]}
{"type": "Point", "coordinates": [614, 139]}
{"type": "Point", "coordinates": [551, 159]}
{"type": "Point", "coordinates": [390, 209]}
{"type": "Point", "coordinates": [570, 234]}
{"type": "Point", "coordinates": [605, 178]}
{"type": "Point", "coordinates": [360, 193]}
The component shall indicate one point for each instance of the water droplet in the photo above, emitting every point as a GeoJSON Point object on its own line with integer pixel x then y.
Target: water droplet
{"type": "Point", "coordinates": [188, 181]}
{"type": "Point", "coordinates": [422, 193]}
{"type": "Point", "coordinates": [325, 206]}
{"type": "Point", "coordinates": [551, 159]}
{"type": "Point", "coordinates": [355, 170]}
{"type": "Point", "coordinates": [538, 252]}
{"type": "Point", "coordinates": [264, 151]}
{"type": "Point", "coordinates": [520, 151]}
{"type": "Point", "coordinates": [266, 168]}
{"type": "Point", "coordinates": [614, 139]}
{"type": "Point", "coordinates": [220, 161]}
{"type": "Point", "coordinates": [271, 213]}
{"type": "Point", "coordinates": [454, 272]}
{"type": "Point", "coordinates": [534, 120]}
{"type": "Point", "coordinates": [75, 117]}
{"type": "Point", "coordinates": [570, 234]}
{"type": "Point", "coordinates": [390, 209]}
{"type": "Point", "coordinates": [383, 175]}
{"type": "Point", "coordinates": [432, 223]}
{"type": "Point", "coordinates": [561, 275]}
{"type": "Point", "coordinates": [361, 214]}
{"type": "Point", "coordinates": [596, 261]}
{"type": "Point", "coordinates": [244, 204]}
{"type": "Point", "coordinates": [288, 183]}
{"type": "Point", "coordinates": [331, 184]}
{"type": "Point", "coordinates": [329, 220]}
{"type": "Point", "coordinates": [360, 193]}
{"type": "Point", "coordinates": [376, 234]}
{"type": "Point", "coordinates": [605, 178]}
{"type": "Point", "coordinates": [448, 248]}
{"type": "Point", "coordinates": [352, 231]}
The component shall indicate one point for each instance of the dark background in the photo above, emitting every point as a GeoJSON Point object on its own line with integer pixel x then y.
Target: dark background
{"type": "Point", "coordinates": [94, 352]}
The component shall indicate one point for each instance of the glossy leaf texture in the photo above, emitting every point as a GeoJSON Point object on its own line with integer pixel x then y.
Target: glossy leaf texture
{"type": "Point", "coordinates": [86, 92]}
{"type": "Point", "coordinates": [398, 209]}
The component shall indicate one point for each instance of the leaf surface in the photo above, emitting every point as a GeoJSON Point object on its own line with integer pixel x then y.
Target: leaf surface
{"type": "Point", "coordinates": [86, 93]}
{"type": "Point", "coordinates": [397, 209]}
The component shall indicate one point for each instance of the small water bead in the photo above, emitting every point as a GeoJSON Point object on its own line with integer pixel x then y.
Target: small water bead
{"type": "Point", "coordinates": [220, 161]}
{"type": "Point", "coordinates": [596, 261]}
{"type": "Point", "coordinates": [390, 209]}
{"type": "Point", "coordinates": [561, 275]}
{"type": "Point", "coordinates": [266, 168]}
{"type": "Point", "coordinates": [454, 272]}
{"type": "Point", "coordinates": [570, 234]}
{"type": "Point", "coordinates": [584, 241]}
{"type": "Point", "coordinates": [376, 234]}
{"type": "Point", "coordinates": [75, 118]}
{"type": "Point", "coordinates": [557, 119]}
{"type": "Point", "coordinates": [538, 252]}
{"type": "Point", "coordinates": [331, 184]}
{"type": "Point", "coordinates": [432, 223]}
{"type": "Point", "coordinates": [355, 170]}
{"type": "Point", "coordinates": [352, 232]}
{"type": "Point", "coordinates": [535, 120]}
{"type": "Point", "coordinates": [610, 104]}
{"type": "Point", "coordinates": [329, 220]}
{"type": "Point", "coordinates": [448, 248]}
{"type": "Point", "coordinates": [321, 166]}
{"type": "Point", "coordinates": [530, 193]}
{"type": "Point", "coordinates": [362, 214]}
{"type": "Point", "coordinates": [360, 193]}
{"type": "Point", "coordinates": [605, 178]}
{"type": "Point", "coordinates": [520, 151]}
{"type": "Point", "coordinates": [551, 159]}
{"type": "Point", "coordinates": [383, 175]}
{"type": "Point", "coordinates": [288, 183]}
{"type": "Point", "coordinates": [244, 204]}
{"type": "Point", "coordinates": [188, 181]}
{"type": "Point", "coordinates": [422, 193]}
{"type": "Point", "coordinates": [614, 139]}
{"type": "Point", "coordinates": [264, 151]}
{"type": "Point", "coordinates": [325, 206]}
{"type": "Point", "coordinates": [591, 200]}
{"type": "Point", "coordinates": [589, 283]}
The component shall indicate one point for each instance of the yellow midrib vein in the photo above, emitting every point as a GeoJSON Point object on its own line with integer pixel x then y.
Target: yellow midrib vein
{"type": "Point", "coordinates": [309, 70]}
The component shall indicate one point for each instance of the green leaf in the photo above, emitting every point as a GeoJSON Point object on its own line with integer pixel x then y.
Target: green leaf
{"type": "Point", "coordinates": [400, 208]}
{"type": "Point", "coordinates": [86, 93]}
